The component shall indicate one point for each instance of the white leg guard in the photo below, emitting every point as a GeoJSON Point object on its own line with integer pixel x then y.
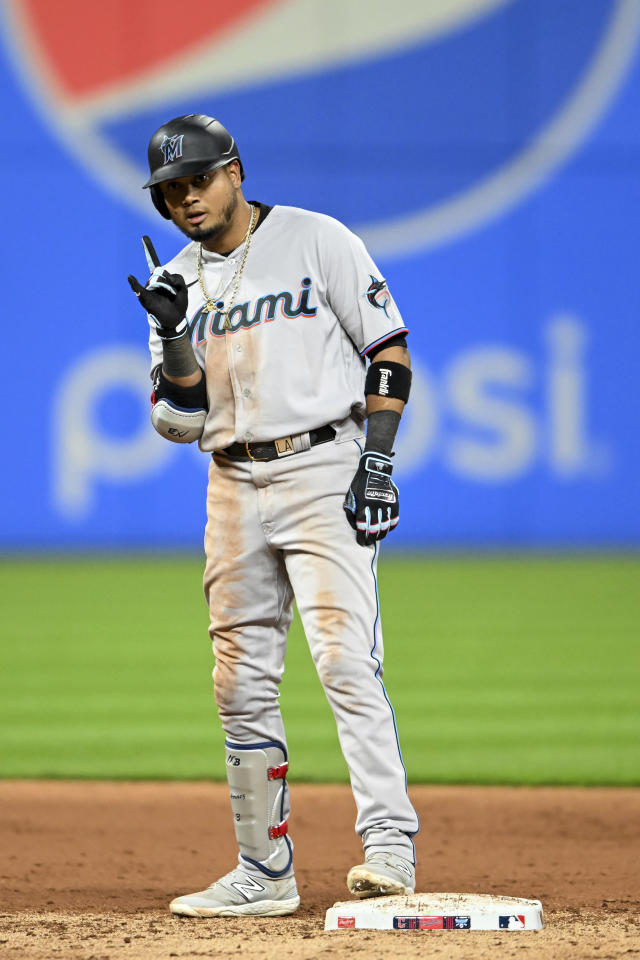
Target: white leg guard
{"type": "Point", "coordinates": [260, 802]}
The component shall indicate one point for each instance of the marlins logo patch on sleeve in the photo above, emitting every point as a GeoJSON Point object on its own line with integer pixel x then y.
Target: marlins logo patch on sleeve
{"type": "Point", "coordinates": [378, 294]}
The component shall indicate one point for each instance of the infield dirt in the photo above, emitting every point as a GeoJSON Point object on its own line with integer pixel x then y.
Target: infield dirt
{"type": "Point", "coordinates": [88, 869]}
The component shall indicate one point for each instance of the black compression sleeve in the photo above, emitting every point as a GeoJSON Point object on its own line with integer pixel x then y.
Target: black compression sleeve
{"type": "Point", "coordinates": [178, 358]}
{"type": "Point", "coordinates": [190, 398]}
{"type": "Point", "coordinates": [382, 427]}
{"type": "Point", "coordinates": [400, 340]}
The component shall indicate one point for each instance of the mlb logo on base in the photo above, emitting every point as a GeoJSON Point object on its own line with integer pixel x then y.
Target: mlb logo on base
{"type": "Point", "coordinates": [512, 923]}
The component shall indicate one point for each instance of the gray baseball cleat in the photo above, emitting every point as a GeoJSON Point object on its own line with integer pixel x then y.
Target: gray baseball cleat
{"type": "Point", "coordinates": [241, 894]}
{"type": "Point", "coordinates": [382, 875]}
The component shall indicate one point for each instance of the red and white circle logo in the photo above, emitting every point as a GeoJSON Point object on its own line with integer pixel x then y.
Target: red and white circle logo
{"type": "Point", "coordinates": [472, 103]}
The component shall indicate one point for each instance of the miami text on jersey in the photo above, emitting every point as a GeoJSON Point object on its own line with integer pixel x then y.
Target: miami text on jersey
{"type": "Point", "coordinates": [243, 315]}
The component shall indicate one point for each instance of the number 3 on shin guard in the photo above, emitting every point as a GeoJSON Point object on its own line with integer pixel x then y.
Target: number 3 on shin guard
{"type": "Point", "coordinates": [260, 803]}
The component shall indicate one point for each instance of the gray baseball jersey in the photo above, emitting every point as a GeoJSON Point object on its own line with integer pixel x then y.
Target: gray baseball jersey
{"type": "Point", "coordinates": [311, 303]}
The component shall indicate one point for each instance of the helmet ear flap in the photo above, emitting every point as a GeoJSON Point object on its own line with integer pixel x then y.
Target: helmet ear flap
{"type": "Point", "coordinates": [157, 198]}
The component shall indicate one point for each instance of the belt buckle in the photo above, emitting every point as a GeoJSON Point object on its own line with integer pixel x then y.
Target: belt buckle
{"type": "Point", "coordinates": [251, 456]}
{"type": "Point", "coordinates": [284, 446]}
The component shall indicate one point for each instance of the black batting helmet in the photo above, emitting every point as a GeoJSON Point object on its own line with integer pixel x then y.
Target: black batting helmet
{"type": "Point", "coordinates": [184, 146]}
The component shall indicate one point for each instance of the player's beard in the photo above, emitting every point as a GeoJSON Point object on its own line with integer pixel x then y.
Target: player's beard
{"type": "Point", "coordinates": [203, 235]}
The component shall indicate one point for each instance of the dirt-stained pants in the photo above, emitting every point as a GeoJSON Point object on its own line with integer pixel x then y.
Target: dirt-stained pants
{"type": "Point", "coordinates": [276, 530]}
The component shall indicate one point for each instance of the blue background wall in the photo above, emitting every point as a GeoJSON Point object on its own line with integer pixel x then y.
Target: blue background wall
{"type": "Point", "coordinates": [493, 167]}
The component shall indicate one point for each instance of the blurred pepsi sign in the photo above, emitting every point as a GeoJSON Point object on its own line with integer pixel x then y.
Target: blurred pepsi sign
{"type": "Point", "coordinates": [486, 150]}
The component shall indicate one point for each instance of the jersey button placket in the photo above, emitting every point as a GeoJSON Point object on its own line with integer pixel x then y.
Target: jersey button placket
{"type": "Point", "coordinates": [234, 357]}
{"type": "Point", "coordinates": [239, 376]}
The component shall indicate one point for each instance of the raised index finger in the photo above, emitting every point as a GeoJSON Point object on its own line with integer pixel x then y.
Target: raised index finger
{"type": "Point", "coordinates": [153, 260]}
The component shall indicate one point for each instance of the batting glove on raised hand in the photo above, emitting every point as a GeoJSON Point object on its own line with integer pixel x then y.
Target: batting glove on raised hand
{"type": "Point", "coordinates": [165, 297]}
{"type": "Point", "coordinates": [372, 503]}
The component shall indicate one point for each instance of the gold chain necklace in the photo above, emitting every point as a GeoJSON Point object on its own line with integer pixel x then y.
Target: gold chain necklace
{"type": "Point", "coordinates": [210, 301]}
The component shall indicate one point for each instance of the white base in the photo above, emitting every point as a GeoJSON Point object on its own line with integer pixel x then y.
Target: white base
{"type": "Point", "coordinates": [436, 911]}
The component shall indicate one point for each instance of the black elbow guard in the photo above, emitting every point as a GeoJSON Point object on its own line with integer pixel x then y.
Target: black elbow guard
{"type": "Point", "coordinates": [388, 379]}
{"type": "Point", "coordinates": [189, 398]}
{"type": "Point", "coordinates": [178, 413]}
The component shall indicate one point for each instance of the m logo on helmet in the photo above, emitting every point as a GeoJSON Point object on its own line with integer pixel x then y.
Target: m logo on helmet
{"type": "Point", "coordinates": [172, 147]}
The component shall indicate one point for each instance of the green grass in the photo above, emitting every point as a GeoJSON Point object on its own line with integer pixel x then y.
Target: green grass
{"type": "Point", "coordinates": [501, 670]}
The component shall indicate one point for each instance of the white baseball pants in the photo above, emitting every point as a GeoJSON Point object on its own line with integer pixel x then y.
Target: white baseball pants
{"type": "Point", "coordinates": [276, 530]}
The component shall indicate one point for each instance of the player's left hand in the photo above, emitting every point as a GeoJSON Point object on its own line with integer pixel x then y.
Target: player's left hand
{"type": "Point", "coordinates": [372, 503]}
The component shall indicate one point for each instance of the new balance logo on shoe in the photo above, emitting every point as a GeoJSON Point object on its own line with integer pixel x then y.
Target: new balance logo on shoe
{"type": "Point", "coordinates": [251, 886]}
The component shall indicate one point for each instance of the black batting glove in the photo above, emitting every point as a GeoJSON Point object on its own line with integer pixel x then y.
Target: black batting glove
{"type": "Point", "coordinates": [372, 503]}
{"type": "Point", "coordinates": [165, 299]}
{"type": "Point", "coordinates": [165, 296]}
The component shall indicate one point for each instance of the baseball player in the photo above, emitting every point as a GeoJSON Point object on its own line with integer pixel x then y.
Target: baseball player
{"type": "Point", "coordinates": [261, 329]}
